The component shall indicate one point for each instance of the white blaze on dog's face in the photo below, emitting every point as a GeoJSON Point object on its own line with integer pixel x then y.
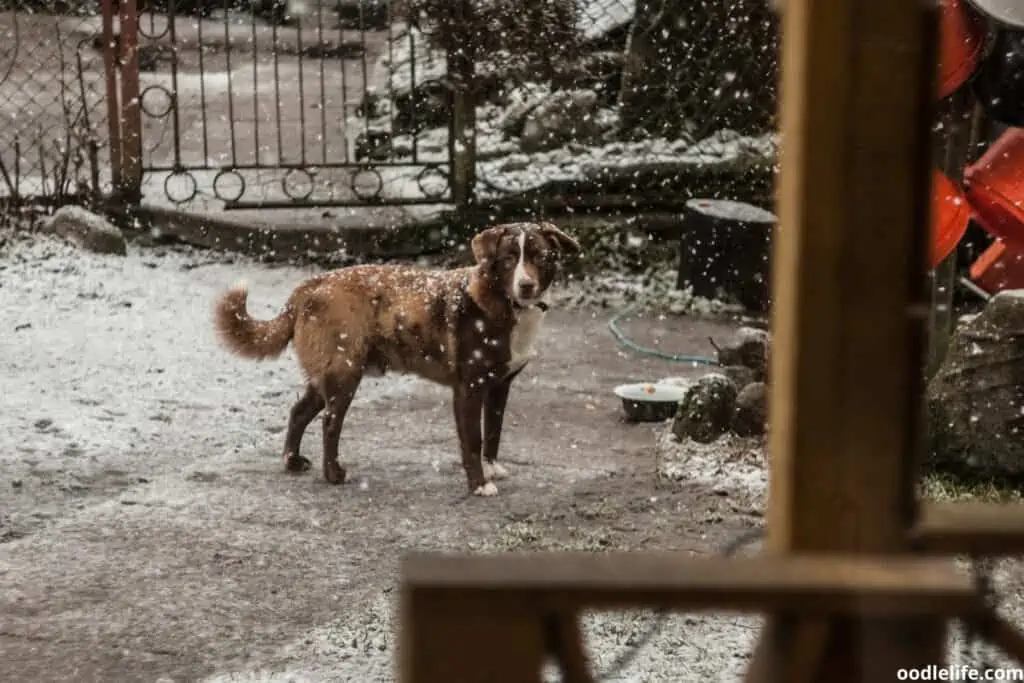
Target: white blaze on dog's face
{"type": "Point", "coordinates": [523, 257]}
{"type": "Point", "coordinates": [525, 284]}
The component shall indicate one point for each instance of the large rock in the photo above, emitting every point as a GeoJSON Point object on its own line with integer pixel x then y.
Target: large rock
{"type": "Point", "coordinates": [749, 348]}
{"type": "Point", "coordinates": [706, 410]}
{"type": "Point", "coordinates": [513, 120]}
{"type": "Point", "coordinates": [86, 229]}
{"type": "Point", "coordinates": [976, 398]}
{"type": "Point", "coordinates": [750, 414]}
{"type": "Point", "coordinates": [566, 115]}
{"type": "Point", "coordinates": [741, 375]}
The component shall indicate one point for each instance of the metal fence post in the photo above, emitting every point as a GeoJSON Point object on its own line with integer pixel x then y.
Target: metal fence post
{"type": "Point", "coordinates": [110, 68]}
{"type": "Point", "coordinates": [130, 110]}
{"type": "Point", "coordinates": [462, 76]}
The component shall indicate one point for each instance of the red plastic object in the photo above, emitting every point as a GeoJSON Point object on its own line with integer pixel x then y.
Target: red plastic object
{"type": "Point", "coordinates": [994, 188]}
{"type": "Point", "coordinates": [950, 217]}
{"type": "Point", "coordinates": [963, 40]}
{"type": "Point", "coordinates": [999, 267]}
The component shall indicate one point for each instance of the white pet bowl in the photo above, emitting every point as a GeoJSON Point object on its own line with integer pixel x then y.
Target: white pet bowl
{"type": "Point", "coordinates": [649, 402]}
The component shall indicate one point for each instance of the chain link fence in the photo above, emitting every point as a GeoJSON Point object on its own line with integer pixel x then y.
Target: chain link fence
{"type": "Point", "coordinates": [53, 141]}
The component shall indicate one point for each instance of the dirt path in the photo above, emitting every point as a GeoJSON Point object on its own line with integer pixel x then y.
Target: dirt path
{"type": "Point", "coordinates": [147, 531]}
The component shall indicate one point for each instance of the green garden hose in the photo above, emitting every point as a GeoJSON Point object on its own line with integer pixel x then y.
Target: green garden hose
{"type": "Point", "coordinates": [613, 327]}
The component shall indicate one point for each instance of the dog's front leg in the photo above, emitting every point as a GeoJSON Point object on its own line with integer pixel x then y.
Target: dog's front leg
{"type": "Point", "coordinates": [494, 418]}
{"type": "Point", "coordinates": [469, 405]}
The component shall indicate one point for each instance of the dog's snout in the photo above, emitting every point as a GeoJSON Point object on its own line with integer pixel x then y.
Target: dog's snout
{"type": "Point", "coordinates": [527, 289]}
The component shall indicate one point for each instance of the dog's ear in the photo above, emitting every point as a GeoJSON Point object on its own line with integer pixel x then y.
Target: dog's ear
{"type": "Point", "coordinates": [485, 244]}
{"type": "Point", "coordinates": [566, 245]}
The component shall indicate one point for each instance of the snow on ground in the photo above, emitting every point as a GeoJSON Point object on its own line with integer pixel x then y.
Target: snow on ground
{"type": "Point", "coordinates": [110, 371]}
{"type": "Point", "coordinates": [92, 370]}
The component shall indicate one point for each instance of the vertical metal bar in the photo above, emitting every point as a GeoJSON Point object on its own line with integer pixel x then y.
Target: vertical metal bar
{"type": "Point", "coordinates": [175, 114]}
{"type": "Point", "coordinates": [202, 89]}
{"type": "Point", "coordinates": [362, 60]}
{"type": "Point", "coordinates": [323, 89]}
{"type": "Point", "coordinates": [277, 96]}
{"type": "Point", "coordinates": [344, 103]}
{"type": "Point", "coordinates": [255, 94]}
{"type": "Point", "coordinates": [17, 170]}
{"type": "Point", "coordinates": [231, 89]}
{"type": "Point", "coordinates": [302, 96]}
{"type": "Point", "coordinates": [110, 54]}
{"type": "Point", "coordinates": [131, 111]}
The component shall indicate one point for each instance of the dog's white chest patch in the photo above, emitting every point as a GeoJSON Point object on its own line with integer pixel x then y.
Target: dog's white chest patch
{"type": "Point", "coordinates": [524, 336]}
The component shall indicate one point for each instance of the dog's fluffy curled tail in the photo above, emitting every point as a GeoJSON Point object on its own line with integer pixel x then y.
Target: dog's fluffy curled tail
{"type": "Point", "coordinates": [247, 337]}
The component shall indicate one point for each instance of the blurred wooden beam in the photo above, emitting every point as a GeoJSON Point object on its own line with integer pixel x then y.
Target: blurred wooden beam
{"type": "Point", "coordinates": [812, 584]}
{"type": "Point", "coordinates": [970, 528]}
{"type": "Point", "coordinates": [850, 310]}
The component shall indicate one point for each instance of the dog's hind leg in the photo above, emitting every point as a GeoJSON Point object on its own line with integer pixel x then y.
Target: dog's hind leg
{"type": "Point", "coordinates": [303, 412]}
{"type": "Point", "coordinates": [494, 417]}
{"type": "Point", "coordinates": [338, 394]}
{"type": "Point", "coordinates": [469, 405]}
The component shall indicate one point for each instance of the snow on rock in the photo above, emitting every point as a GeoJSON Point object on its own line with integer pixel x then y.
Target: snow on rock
{"type": "Point", "coordinates": [528, 134]}
{"type": "Point", "coordinates": [600, 17]}
{"type": "Point", "coordinates": [87, 230]}
{"type": "Point", "coordinates": [648, 291]}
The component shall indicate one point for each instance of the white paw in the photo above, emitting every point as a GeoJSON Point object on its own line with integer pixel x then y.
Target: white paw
{"type": "Point", "coordinates": [487, 490]}
{"type": "Point", "coordinates": [494, 471]}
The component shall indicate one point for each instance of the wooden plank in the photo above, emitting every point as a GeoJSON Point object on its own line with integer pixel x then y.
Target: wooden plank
{"type": "Point", "coordinates": [467, 641]}
{"type": "Point", "coordinates": [848, 284]}
{"type": "Point", "coordinates": [853, 208]}
{"type": "Point", "coordinates": [970, 528]}
{"type": "Point", "coordinates": [566, 582]}
{"type": "Point", "coordinates": [567, 648]}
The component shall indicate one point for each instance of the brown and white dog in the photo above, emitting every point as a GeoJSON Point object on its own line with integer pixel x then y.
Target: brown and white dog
{"type": "Point", "coordinates": [472, 329]}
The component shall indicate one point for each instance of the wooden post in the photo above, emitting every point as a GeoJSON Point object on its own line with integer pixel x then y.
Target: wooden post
{"type": "Point", "coordinates": [850, 310]}
{"type": "Point", "coordinates": [131, 108]}
{"type": "Point", "coordinates": [111, 55]}
{"type": "Point", "coordinates": [462, 133]}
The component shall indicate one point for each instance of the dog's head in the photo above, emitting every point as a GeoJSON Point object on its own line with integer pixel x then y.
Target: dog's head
{"type": "Point", "coordinates": [523, 258]}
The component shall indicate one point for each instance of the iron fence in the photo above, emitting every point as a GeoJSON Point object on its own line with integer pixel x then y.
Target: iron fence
{"type": "Point", "coordinates": [53, 141]}
{"type": "Point", "coordinates": [288, 105]}
{"type": "Point", "coordinates": [229, 104]}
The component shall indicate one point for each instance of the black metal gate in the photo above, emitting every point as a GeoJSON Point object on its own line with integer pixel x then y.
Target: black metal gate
{"type": "Point", "coordinates": [290, 105]}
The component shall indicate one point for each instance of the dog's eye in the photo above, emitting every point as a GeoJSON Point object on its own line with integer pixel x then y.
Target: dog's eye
{"type": "Point", "coordinates": [509, 259]}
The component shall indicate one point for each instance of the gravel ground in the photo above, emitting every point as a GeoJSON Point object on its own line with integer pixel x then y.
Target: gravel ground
{"type": "Point", "coordinates": [147, 531]}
